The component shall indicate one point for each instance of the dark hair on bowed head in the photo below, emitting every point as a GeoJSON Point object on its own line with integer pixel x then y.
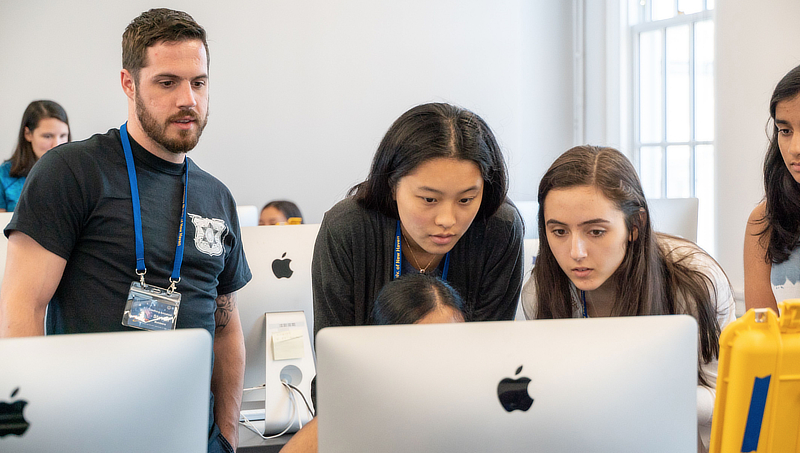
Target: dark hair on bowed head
{"type": "Point", "coordinates": [411, 297]}
{"type": "Point", "coordinates": [431, 131]}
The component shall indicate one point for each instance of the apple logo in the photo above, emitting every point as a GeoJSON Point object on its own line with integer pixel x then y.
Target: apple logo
{"type": "Point", "coordinates": [11, 419]}
{"type": "Point", "coordinates": [513, 393]}
{"type": "Point", "coordinates": [281, 267]}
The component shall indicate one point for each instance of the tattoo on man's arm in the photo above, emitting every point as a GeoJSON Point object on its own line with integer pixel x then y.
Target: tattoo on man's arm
{"type": "Point", "coordinates": [225, 305]}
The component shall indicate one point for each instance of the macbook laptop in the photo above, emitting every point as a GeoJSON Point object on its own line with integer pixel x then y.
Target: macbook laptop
{"type": "Point", "coordinates": [280, 260]}
{"type": "Point", "coordinates": [108, 392]}
{"type": "Point", "coordinates": [575, 385]}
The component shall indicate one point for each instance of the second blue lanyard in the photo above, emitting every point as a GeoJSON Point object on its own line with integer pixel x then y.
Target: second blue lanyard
{"type": "Point", "coordinates": [398, 256]}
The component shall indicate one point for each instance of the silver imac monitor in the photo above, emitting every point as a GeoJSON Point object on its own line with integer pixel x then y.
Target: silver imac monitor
{"type": "Point", "coordinates": [574, 385]}
{"type": "Point", "coordinates": [675, 216]}
{"type": "Point", "coordinates": [280, 261]}
{"type": "Point", "coordinates": [248, 215]}
{"type": "Point", "coordinates": [106, 392]}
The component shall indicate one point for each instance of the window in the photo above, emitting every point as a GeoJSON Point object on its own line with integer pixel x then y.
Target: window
{"type": "Point", "coordinates": [673, 102]}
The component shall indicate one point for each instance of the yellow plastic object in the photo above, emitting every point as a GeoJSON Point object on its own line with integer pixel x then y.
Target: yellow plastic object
{"type": "Point", "coordinates": [294, 221]}
{"type": "Point", "coordinates": [758, 385]}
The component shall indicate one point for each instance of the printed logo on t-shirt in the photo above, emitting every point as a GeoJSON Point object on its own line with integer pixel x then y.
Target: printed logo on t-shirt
{"type": "Point", "coordinates": [208, 234]}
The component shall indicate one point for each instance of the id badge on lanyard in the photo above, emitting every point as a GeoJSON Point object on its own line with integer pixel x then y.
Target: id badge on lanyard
{"type": "Point", "coordinates": [151, 307]}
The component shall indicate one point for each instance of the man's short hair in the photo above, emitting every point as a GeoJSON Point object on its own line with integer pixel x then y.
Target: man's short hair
{"type": "Point", "coordinates": [153, 27]}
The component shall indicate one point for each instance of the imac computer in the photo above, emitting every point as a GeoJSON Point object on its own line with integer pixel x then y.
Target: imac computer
{"type": "Point", "coordinates": [106, 392]}
{"type": "Point", "coordinates": [248, 215]}
{"type": "Point", "coordinates": [675, 216]}
{"type": "Point", "coordinates": [280, 261]}
{"type": "Point", "coordinates": [572, 385]}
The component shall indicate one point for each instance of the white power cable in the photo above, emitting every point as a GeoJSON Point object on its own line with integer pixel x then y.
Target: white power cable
{"type": "Point", "coordinates": [249, 425]}
{"type": "Point", "coordinates": [308, 406]}
{"type": "Point", "coordinates": [290, 389]}
{"type": "Point", "coordinates": [260, 387]}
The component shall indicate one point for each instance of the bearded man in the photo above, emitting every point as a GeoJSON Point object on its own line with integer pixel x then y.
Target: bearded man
{"type": "Point", "coordinates": [91, 209]}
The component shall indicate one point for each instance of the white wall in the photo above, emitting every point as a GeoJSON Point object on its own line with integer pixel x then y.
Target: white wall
{"type": "Point", "coordinates": [756, 46]}
{"type": "Point", "coordinates": [605, 75]}
{"type": "Point", "coordinates": [546, 105]}
{"type": "Point", "coordinates": [302, 91]}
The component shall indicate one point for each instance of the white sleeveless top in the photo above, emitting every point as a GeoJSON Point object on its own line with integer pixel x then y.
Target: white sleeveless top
{"type": "Point", "coordinates": [785, 277]}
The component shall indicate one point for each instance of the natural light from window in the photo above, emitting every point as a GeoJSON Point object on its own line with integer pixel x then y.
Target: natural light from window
{"type": "Point", "coordinates": [673, 93]}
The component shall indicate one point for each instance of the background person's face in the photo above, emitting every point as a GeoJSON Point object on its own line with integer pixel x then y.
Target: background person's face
{"type": "Point", "coordinates": [49, 133]}
{"type": "Point", "coordinates": [272, 216]}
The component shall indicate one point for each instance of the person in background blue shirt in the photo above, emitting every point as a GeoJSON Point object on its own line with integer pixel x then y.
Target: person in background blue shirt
{"type": "Point", "coordinates": [44, 126]}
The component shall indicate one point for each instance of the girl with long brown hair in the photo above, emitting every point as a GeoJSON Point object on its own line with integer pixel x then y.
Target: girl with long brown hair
{"type": "Point", "coordinates": [599, 256]}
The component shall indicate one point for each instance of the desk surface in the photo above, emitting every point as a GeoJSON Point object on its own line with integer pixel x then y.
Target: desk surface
{"type": "Point", "coordinates": [249, 442]}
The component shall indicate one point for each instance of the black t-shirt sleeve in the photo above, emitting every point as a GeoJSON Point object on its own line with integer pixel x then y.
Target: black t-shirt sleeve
{"type": "Point", "coordinates": [53, 205]}
{"type": "Point", "coordinates": [236, 273]}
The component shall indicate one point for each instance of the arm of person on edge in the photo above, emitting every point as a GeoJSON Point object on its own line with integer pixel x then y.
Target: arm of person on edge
{"type": "Point", "coordinates": [303, 441]}
{"type": "Point", "coordinates": [31, 277]}
{"type": "Point", "coordinates": [227, 379]}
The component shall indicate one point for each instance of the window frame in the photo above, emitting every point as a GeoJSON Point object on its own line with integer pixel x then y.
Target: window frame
{"type": "Point", "coordinates": [662, 25]}
{"type": "Point", "coordinates": [637, 24]}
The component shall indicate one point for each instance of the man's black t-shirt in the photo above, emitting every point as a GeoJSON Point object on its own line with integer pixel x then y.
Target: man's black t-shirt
{"type": "Point", "coordinates": [77, 204]}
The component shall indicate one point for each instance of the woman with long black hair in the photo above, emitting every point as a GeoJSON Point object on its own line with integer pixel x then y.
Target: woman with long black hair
{"type": "Point", "coordinates": [772, 236]}
{"type": "Point", "coordinates": [434, 202]}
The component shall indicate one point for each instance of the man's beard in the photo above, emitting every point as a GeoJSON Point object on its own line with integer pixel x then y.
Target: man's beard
{"type": "Point", "coordinates": [187, 139]}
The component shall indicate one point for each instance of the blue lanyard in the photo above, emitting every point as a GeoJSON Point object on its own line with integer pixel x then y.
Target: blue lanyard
{"type": "Point", "coordinates": [137, 214]}
{"type": "Point", "coordinates": [398, 256]}
{"type": "Point", "coordinates": [583, 298]}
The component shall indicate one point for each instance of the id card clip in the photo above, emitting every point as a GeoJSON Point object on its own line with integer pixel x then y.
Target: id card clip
{"type": "Point", "coordinates": [151, 308]}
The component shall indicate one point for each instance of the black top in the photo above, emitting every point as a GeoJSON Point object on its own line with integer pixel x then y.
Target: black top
{"type": "Point", "coordinates": [77, 204]}
{"type": "Point", "coordinates": [353, 259]}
